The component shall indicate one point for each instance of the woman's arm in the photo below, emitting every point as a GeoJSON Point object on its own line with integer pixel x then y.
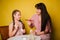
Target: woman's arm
{"type": "Point", "coordinates": [29, 22]}
{"type": "Point", "coordinates": [46, 29]}
{"type": "Point", "coordinates": [11, 31]}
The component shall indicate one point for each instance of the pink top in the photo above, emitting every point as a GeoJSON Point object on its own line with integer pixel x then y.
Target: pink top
{"type": "Point", "coordinates": [36, 21]}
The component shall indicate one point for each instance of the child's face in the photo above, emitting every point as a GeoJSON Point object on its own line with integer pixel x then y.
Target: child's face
{"type": "Point", "coordinates": [17, 16]}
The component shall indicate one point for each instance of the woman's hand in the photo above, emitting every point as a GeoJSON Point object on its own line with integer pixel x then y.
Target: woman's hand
{"type": "Point", "coordinates": [29, 22]}
{"type": "Point", "coordinates": [39, 33]}
{"type": "Point", "coordinates": [32, 32]}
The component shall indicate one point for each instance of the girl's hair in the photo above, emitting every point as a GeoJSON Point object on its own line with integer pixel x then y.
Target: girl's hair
{"type": "Point", "coordinates": [13, 13]}
{"type": "Point", "coordinates": [23, 26]}
{"type": "Point", "coordinates": [44, 15]}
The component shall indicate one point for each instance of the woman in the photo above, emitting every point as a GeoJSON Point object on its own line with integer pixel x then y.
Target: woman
{"type": "Point", "coordinates": [16, 28]}
{"type": "Point", "coordinates": [42, 22]}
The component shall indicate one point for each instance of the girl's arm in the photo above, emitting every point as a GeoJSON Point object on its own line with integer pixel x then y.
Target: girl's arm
{"type": "Point", "coordinates": [11, 31]}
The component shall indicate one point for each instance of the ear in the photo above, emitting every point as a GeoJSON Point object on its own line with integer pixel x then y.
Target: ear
{"type": "Point", "coordinates": [14, 15]}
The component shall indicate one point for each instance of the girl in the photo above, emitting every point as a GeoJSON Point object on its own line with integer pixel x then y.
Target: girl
{"type": "Point", "coordinates": [16, 28]}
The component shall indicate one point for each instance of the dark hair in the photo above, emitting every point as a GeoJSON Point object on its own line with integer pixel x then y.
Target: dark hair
{"type": "Point", "coordinates": [44, 15]}
{"type": "Point", "coordinates": [22, 24]}
{"type": "Point", "coordinates": [13, 13]}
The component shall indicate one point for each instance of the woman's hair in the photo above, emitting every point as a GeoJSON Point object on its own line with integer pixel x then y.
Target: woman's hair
{"type": "Point", "coordinates": [44, 15]}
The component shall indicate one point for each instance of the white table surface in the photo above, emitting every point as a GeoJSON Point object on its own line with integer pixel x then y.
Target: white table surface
{"type": "Point", "coordinates": [25, 37]}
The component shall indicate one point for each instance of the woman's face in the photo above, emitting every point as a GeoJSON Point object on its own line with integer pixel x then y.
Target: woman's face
{"type": "Point", "coordinates": [38, 11]}
{"type": "Point", "coordinates": [17, 16]}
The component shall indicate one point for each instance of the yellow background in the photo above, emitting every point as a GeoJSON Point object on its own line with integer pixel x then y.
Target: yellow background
{"type": "Point", "coordinates": [27, 10]}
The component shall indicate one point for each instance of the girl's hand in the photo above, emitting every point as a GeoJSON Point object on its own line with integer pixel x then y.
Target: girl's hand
{"type": "Point", "coordinates": [16, 27]}
{"type": "Point", "coordinates": [23, 30]}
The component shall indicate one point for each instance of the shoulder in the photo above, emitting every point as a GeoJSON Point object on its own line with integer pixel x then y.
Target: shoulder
{"type": "Point", "coordinates": [11, 24]}
{"type": "Point", "coordinates": [34, 15]}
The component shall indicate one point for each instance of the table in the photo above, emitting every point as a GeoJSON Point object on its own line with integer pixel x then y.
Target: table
{"type": "Point", "coordinates": [25, 37]}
